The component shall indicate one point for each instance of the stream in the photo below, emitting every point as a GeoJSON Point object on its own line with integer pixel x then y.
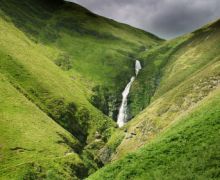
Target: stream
{"type": "Point", "coordinates": [123, 111]}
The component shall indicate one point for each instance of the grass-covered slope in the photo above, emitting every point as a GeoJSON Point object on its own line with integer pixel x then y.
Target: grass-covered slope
{"type": "Point", "coordinates": [168, 65]}
{"type": "Point", "coordinates": [58, 60]}
{"type": "Point", "coordinates": [95, 51]}
{"type": "Point", "coordinates": [188, 150]}
{"type": "Point", "coordinates": [33, 145]}
{"type": "Point", "coordinates": [179, 74]}
{"type": "Point", "coordinates": [43, 82]}
{"type": "Point", "coordinates": [60, 64]}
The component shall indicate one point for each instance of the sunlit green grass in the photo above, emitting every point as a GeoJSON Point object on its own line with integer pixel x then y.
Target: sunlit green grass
{"type": "Point", "coordinates": [100, 52]}
{"type": "Point", "coordinates": [189, 72]}
{"type": "Point", "coordinates": [169, 64]}
{"type": "Point", "coordinates": [187, 150]}
{"type": "Point", "coordinates": [28, 135]}
{"type": "Point", "coordinates": [52, 56]}
{"type": "Point", "coordinates": [57, 60]}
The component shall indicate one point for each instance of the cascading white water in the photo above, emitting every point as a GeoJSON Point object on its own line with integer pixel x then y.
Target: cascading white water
{"type": "Point", "coordinates": [137, 67]}
{"type": "Point", "coordinates": [123, 114]}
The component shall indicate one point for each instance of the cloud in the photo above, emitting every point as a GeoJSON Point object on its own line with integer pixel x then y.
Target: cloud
{"type": "Point", "coordinates": [165, 18]}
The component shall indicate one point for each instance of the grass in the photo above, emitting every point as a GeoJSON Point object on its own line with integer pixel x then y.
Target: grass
{"type": "Point", "coordinates": [168, 65]}
{"type": "Point", "coordinates": [187, 150]}
{"type": "Point", "coordinates": [102, 56]}
{"type": "Point", "coordinates": [153, 61]}
{"type": "Point", "coordinates": [59, 83]}
{"type": "Point", "coordinates": [27, 138]}
{"type": "Point", "coordinates": [184, 90]}
{"type": "Point", "coordinates": [197, 49]}
{"type": "Point", "coordinates": [57, 69]}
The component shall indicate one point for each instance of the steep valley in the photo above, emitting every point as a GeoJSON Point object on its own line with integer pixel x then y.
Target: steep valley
{"type": "Point", "coordinates": [62, 73]}
{"type": "Point", "coordinates": [179, 131]}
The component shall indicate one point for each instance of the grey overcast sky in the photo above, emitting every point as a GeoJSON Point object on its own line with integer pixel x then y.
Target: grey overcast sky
{"type": "Point", "coordinates": [165, 18]}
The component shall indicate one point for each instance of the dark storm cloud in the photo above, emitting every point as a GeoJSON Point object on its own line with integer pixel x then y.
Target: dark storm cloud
{"type": "Point", "coordinates": [166, 18]}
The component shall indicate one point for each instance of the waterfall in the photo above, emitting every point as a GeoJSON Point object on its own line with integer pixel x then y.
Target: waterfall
{"type": "Point", "coordinates": [122, 115]}
{"type": "Point", "coordinates": [123, 110]}
{"type": "Point", "coordinates": [137, 67]}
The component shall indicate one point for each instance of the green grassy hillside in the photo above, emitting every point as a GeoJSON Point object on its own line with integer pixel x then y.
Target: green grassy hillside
{"type": "Point", "coordinates": [62, 71]}
{"type": "Point", "coordinates": [32, 144]}
{"type": "Point", "coordinates": [97, 52]}
{"type": "Point", "coordinates": [166, 66]}
{"type": "Point", "coordinates": [54, 94]}
{"type": "Point", "coordinates": [188, 150]}
{"type": "Point", "coordinates": [60, 63]}
{"type": "Point", "coordinates": [178, 79]}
